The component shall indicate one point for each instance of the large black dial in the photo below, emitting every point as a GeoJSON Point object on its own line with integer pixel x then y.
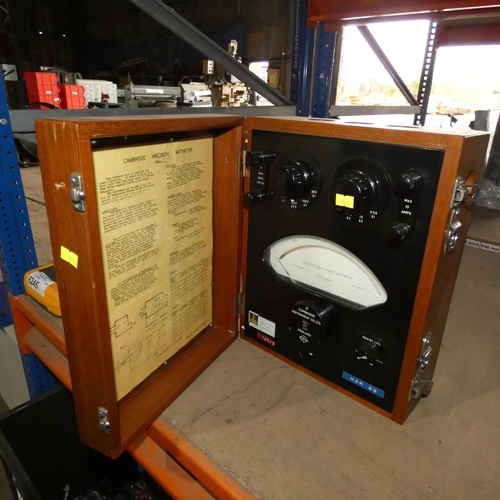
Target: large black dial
{"type": "Point", "coordinates": [361, 190]}
{"type": "Point", "coordinates": [360, 186]}
{"type": "Point", "coordinates": [311, 325]}
{"type": "Point", "coordinates": [296, 178]}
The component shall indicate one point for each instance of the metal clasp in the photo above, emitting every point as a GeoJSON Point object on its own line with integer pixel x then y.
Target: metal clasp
{"type": "Point", "coordinates": [452, 231]}
{"type": "Point", "coordinates": [77, 193]}
{"type": "Point", "coordinates": [419, 386]}
{"type": "Point", "coordinates": [463, 192]}
{"type": "Point", "coordinates": [104, 425]}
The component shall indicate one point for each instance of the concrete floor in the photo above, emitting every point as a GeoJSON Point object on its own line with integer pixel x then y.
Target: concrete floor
{"type": "Point", "coordinates": [295, 438]}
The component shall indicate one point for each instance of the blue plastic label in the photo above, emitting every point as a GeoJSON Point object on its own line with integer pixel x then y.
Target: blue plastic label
{"type": "Point", "coordinates": [364, 385]}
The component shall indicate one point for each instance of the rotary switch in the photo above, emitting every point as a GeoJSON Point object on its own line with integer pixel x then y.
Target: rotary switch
{"type": "Point", "coordinates": [361, 190]}
{"type": "Point", "coordinates": [360, 186]}
{"type": "Point", "coordinates": [371, 349]}
{"type": "Point", "coordinates": [368, 351]}
{"type": "Point", "coordinates": [294, 180]}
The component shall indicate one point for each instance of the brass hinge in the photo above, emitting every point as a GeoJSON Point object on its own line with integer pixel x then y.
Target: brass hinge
{"type": "Point", "coordinates": [239, 304]}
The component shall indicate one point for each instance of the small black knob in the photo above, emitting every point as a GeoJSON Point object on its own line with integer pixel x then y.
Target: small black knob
{"type": "Point", "coordinates": [294, 180]}
{"type": "Point", "coordinates": [259, 156]}
{"type": "Point", "coordinates": [255, 197]}
{"type": "Point", "coordinates": [398, 233]}
{"type": "Point", "coordinates": [409, 181]}
{"type": "Point", "coordinates": [368, 351]}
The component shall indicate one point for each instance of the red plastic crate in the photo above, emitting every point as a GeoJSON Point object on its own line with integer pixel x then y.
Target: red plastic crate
{"type": "Point", "coordinates": [42, 89]}
{"type": "Point", "coordinates": [55, 100]}
{"type": "Point", "coordinates": [72, 96]}
{"type": "Point", "coordinates": [40, 77]}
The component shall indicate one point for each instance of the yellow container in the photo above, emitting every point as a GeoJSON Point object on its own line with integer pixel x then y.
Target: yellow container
{"type": "Point", "coordinates": [40, 283]}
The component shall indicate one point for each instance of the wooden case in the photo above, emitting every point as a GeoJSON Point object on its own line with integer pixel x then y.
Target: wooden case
{"type": "Point", "coordinates": [109, 423]}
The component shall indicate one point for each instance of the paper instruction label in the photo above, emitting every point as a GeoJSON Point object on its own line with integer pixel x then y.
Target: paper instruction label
{"type": "Point", "coordinates": [155, 223]}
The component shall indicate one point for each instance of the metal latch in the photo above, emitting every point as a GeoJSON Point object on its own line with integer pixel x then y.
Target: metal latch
{"type": "Point", "coordinates": [462, 192]}
{"type": "Point", "coordinates": [452, 231]}
{"type": "Point", "coordinates": [77, 193]}
{"type": "Point", "coordinates": [419, 386]}
{"type": "Point", "coordinates": [104, 425]}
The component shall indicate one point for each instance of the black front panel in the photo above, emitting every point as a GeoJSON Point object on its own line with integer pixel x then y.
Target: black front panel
{"type": "Point", "coordinates": [358, 214]}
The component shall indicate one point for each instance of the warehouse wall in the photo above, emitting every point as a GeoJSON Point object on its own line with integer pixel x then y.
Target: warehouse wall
{"type": "Point", "coordinates": [43, 33]}
{"type": "Point", "coordinates": [115, 31]}
{"type": "Point", "coordinates": [95, 37]}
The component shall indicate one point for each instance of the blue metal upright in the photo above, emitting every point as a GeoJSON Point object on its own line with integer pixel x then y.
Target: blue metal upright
{"type": "Point", "coordinates": [17, 248]}
{"type": "Point", "coordinates": [323, 71]}
{"type": "Point", "coordinates": [302, 56]}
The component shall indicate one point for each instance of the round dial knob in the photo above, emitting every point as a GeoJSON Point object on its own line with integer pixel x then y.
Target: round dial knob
{"type": "Point", "coordinates": [409, 181]}
{"type": "Point", "coordinates": [368, 351]}
{"type": "Point", "coordinates": [398, 233]}
{"type": "Point", "coordinates": [294, 179]}
{"type": "Point", "coordinates": [360, 186]}
{"type": "Point", "coordinates": [371, 349]}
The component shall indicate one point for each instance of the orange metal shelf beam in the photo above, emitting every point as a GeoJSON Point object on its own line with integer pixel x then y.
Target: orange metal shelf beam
{"type": "Point", "coordinates": [161, 449]}
{"type": "Point", "coordinates": [359, 11]}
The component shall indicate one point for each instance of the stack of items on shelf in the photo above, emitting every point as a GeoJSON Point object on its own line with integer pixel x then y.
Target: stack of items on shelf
{"type": "Point", "coordinates": [44, 91]}
{"type": "Point", "coordinates": [72, 97]}
{"type": "Point", "coordinates": [98, 91]}
{"type": "Point", "coordinates": [42, 88]}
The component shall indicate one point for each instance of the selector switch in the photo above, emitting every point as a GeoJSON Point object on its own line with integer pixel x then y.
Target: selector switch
{"type": "Point", "coordinates": [294, 180]}
{"type": "Point", "coordinates": [360, 186]}
{"type": "Point", "coordinates": [361, 190]}
{"type": "Point", "coordinates": [371, 349]}
{"type": "Point", "coordinates": [368, 351]}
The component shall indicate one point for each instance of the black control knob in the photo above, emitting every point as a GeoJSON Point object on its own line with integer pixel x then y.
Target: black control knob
{"type": "Point", "coordinates": [409, 181]}
{"type": "Point", "coordinates": [360, 186]}
{"type": "Point", "coordinates": [256, 197]}
{"type": "Point", "coordinates": [259, 156]}
{"type": "Point", "coordinates": [368, 351]}
{"type": "Point", "coordinates": [312, 324]}
{"type": "Point", "coordinates": [398, 233]}
{"type": "Point", "coordinates": [294, 180]}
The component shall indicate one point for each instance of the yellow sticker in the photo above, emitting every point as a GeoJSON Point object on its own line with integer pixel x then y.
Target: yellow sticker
{"type": "Point", "coordinates": [69, 256]}
{"type": "Point", "coordinates": [73, 259]}
{"type": "Point", "coordinates": [65, 253]}
{"type": "Point", "coordinates": [339, 199]}
{"type": "Point", "coordinates": [348, 201]}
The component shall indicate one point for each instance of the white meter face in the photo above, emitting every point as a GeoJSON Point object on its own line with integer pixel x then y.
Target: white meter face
{"type": "Point", "coordinates": [326, 269]}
